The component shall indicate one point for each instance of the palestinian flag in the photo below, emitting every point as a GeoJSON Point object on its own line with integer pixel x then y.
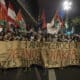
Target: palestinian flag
{"type": "Point", "coordinates": [20, 21]}
{"type": "Point", "coordinates": [55, 25]}
{"type": "Point", "coordinates": [3, 12]}
{"type": "Point", "coordinates": [11, 14]}
{"type": "Point", "coordinates": [58, 19]}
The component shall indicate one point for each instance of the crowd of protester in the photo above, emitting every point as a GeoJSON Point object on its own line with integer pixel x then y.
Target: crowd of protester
{"type": "Point", "coordinates": [40, 35]}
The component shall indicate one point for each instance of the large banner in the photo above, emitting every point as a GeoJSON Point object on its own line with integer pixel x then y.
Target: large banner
{"type": "Point", "coordinates": [24, 54]}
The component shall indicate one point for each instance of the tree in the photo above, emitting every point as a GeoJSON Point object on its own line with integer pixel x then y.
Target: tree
{"type": "Point", "coordinates": [76, 21]}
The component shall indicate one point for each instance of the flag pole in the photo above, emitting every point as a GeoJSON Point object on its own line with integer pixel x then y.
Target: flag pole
{"type": "Point", "coordinates": [27, 11]}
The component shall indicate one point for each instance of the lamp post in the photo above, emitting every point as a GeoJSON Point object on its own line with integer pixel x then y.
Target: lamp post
{"type": "Point", "coordinates": [67, 5]}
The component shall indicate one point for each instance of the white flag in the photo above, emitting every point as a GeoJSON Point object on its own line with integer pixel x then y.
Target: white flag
{"type": "Point", "coordinates": [52, 30]}
{"type": "Point", "coordinates": [11, 12]}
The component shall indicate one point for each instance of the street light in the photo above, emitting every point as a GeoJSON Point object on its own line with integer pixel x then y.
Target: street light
{"type": "Point", "coordinates": [67, 5]}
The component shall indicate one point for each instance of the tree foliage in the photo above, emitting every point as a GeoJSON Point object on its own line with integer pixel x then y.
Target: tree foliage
{"type": "Point", "coordinates": [76, 20]}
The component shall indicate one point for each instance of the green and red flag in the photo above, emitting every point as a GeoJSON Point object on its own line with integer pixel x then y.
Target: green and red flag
{"type": "Point", "coordinates": [20, 21]}
{"type": "Point", "coordinates": [11, 14]}
{"type": "Point", "coordinates": [3, 15]}
{"type": "Point", "coordinates": [55, 25]}
{"type": "Point", "coordinates": [3, 12]}
{"type": "Point", "coordinates": [59, 19]}
{"type": "Point", "coordinates": [19, 16]}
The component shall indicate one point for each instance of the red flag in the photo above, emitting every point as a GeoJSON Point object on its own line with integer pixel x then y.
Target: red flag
{"type": "Point", "coordinates": [43, 18]}
{"type": "Point", "coordinates": [3, 10]}
{"type": "Point", "coordinates": [19, 16]}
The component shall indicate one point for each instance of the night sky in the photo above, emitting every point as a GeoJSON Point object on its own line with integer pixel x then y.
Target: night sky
{"type": "Point", "coordinates": [50, 6]}
{"type": "Point", "coordinates": [34, 7]}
